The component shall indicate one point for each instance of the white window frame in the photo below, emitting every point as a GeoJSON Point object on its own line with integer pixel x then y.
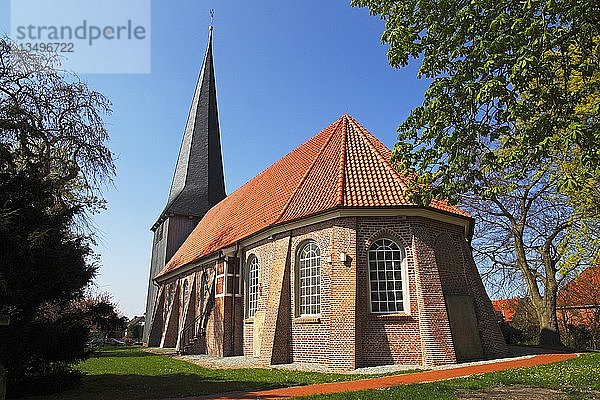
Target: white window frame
{"type": "Point", "coordinates": [314, 286]}
{"type": "Point", "coordinates": [403, 276]}
{"type": "Point", "coordinates": [203, 291]}
{"type": "Point", "coordinates": [252, 286]}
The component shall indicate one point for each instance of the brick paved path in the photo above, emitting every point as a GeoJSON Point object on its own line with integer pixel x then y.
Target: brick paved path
{"type": "Point", "coordinates": [388, 381]}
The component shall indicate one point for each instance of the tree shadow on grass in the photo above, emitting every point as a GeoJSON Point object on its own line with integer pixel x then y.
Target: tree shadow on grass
{"type": "Point", "coordinates": [122, 353]}
{"type": "Point", "coordinates": [136, 387]}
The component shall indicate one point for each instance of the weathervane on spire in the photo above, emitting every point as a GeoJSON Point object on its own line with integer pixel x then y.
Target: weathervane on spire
{"type": "Point", "coordinates": [212, 18]}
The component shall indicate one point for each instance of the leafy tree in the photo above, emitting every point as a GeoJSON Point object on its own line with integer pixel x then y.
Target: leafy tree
{"type": "Point", "coordinates": [103, 316]}
{"type": "Point", "coordinates": [53, 163]}
{"type": "Point", "coordinates": [509, 122]}
{"type": "Point", "coordinates": [135, 332]}
{"type": "Point", "coordinates": [51, 118]}
{"type": "Point", "coordinates": [506, 75]}
{"type": "Point", "coordinates": [46, 267]}
{"type": "Point", "coordinates": [531, 233]}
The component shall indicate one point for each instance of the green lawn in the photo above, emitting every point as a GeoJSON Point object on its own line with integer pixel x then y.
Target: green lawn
{"type": "Point", "coordinates": [129, 373]}
{"type": "Point", "coordinates": [575, 379]}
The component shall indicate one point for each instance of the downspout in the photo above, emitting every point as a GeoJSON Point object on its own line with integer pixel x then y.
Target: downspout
{"type": "Point", "coordinates": [233, 283]}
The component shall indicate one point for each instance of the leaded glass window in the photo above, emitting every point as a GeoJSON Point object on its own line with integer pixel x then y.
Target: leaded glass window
{"type": "Point", "coordinates": [185, 292]}
{"type": "Point", "coordinates": [309, 279]}
{"type": "Point", "coordinates": [386, 277]}
{"type": "Point", "coordinates": [252, 286]}
{"type": "Point", "coordinates": [203, 295]}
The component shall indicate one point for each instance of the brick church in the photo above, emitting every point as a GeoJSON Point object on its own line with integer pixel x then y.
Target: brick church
{"type": "Point", "coordinates": [318, 259]}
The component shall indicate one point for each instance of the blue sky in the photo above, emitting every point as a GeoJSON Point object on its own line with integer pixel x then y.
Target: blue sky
{"type": "Point", "coordinates": [284, 70]}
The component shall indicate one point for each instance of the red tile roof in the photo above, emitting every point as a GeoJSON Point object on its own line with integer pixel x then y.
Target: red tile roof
{"type": "Point", "coordinates": [341, 166]}
{"type": "Point", "coordinates": [583, 290]}
{"type": "Point", "coordinates": [506, 307]}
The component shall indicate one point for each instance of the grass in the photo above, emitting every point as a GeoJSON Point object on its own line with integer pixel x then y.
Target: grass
{"type": "Point", "coordinates": [576, 379]}
{"type": "Point", "coordinates": [129, 373]}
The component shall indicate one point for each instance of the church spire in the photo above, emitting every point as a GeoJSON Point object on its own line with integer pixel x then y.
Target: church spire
{"type": "Point", "coordinates": [198, 182]}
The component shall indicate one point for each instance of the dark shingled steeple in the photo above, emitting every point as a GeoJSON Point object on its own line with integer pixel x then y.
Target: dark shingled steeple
{"type": "Point", "coordinates": [198, 182]}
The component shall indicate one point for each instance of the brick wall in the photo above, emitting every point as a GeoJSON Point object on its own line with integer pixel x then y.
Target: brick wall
{"type": "Point", "coordinates": [436, 336]}
{"type": "Point", "coordinates": [342, 295]}
{"type": "Point", "coordinates": [492, 340]}
{"type": "Point", "coordinates": [449, 260]}
{"type": "Point", "coordinates": [311, 336]}
{"type": "Point", "coordinates": [156, 330]}
{"type": "Point", "coordinates": [385, 339]}
{"type": "Point", "coordinates": [215, 327]}
{"type": "Point", "coordinates": [265, 251]}
{"type": "Point", "coordinates": [248, 338]}
{"type": "Point", "coordinates": [187, 305]}
{"type": "Point", "coordinates": [298, 339]}
{"type": "Point", "coordinates": [347, 335]}
{"type": "Point", "coordinates": [171, 322]}
{"type": "Point", "coordinates": [182, 312]}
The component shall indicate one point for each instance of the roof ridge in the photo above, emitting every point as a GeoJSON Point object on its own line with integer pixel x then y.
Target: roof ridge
{"type": "Point", "coordinates": [301, 182]}
{"type": "Point", "coordinates": [367, 136]}
{"type": "Point", "coordinates": [342, 168]}
{"type": "Point", "coordinates": [361, 131]}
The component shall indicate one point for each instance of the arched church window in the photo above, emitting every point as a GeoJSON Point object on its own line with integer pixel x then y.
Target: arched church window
{"type": "Point", "coordinates": [185, 292]}
{"type": "Point", "coordinates": [387, 277]}
{"type": "Point", "coordinates": [252, 292]}
{"type": "Point", "coordinates": [309, 279]}
{"type": "Point", "coordinates": [203, 295]}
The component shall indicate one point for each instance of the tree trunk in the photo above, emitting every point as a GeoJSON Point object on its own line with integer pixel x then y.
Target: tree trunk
{"type": "Point", "coordinates": [549, 334]}
{"type": "Point", "coordinates": [544, 305]}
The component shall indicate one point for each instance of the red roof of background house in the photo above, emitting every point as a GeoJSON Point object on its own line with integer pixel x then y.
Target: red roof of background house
{"type": "Point", "coordinates": [341, 166]}
{"type": "Point", "coordinates": [584, 290]}
{"type": "Point", "coordinates": [506, 307]}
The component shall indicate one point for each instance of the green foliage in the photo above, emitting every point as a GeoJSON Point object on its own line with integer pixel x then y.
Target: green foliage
{"type": "Point", "coordinates": [102, 315]}
{"type": "Point", "coordinates": [46, 267]}
{"type": "Point", "coordinates": [135, 332]}
{"type": "Point", "coordinates": [53, 161]}
{"type": "Point", "coordinates": [508, 126]}
{"type": "Point", "coordinates": [513, 83]}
